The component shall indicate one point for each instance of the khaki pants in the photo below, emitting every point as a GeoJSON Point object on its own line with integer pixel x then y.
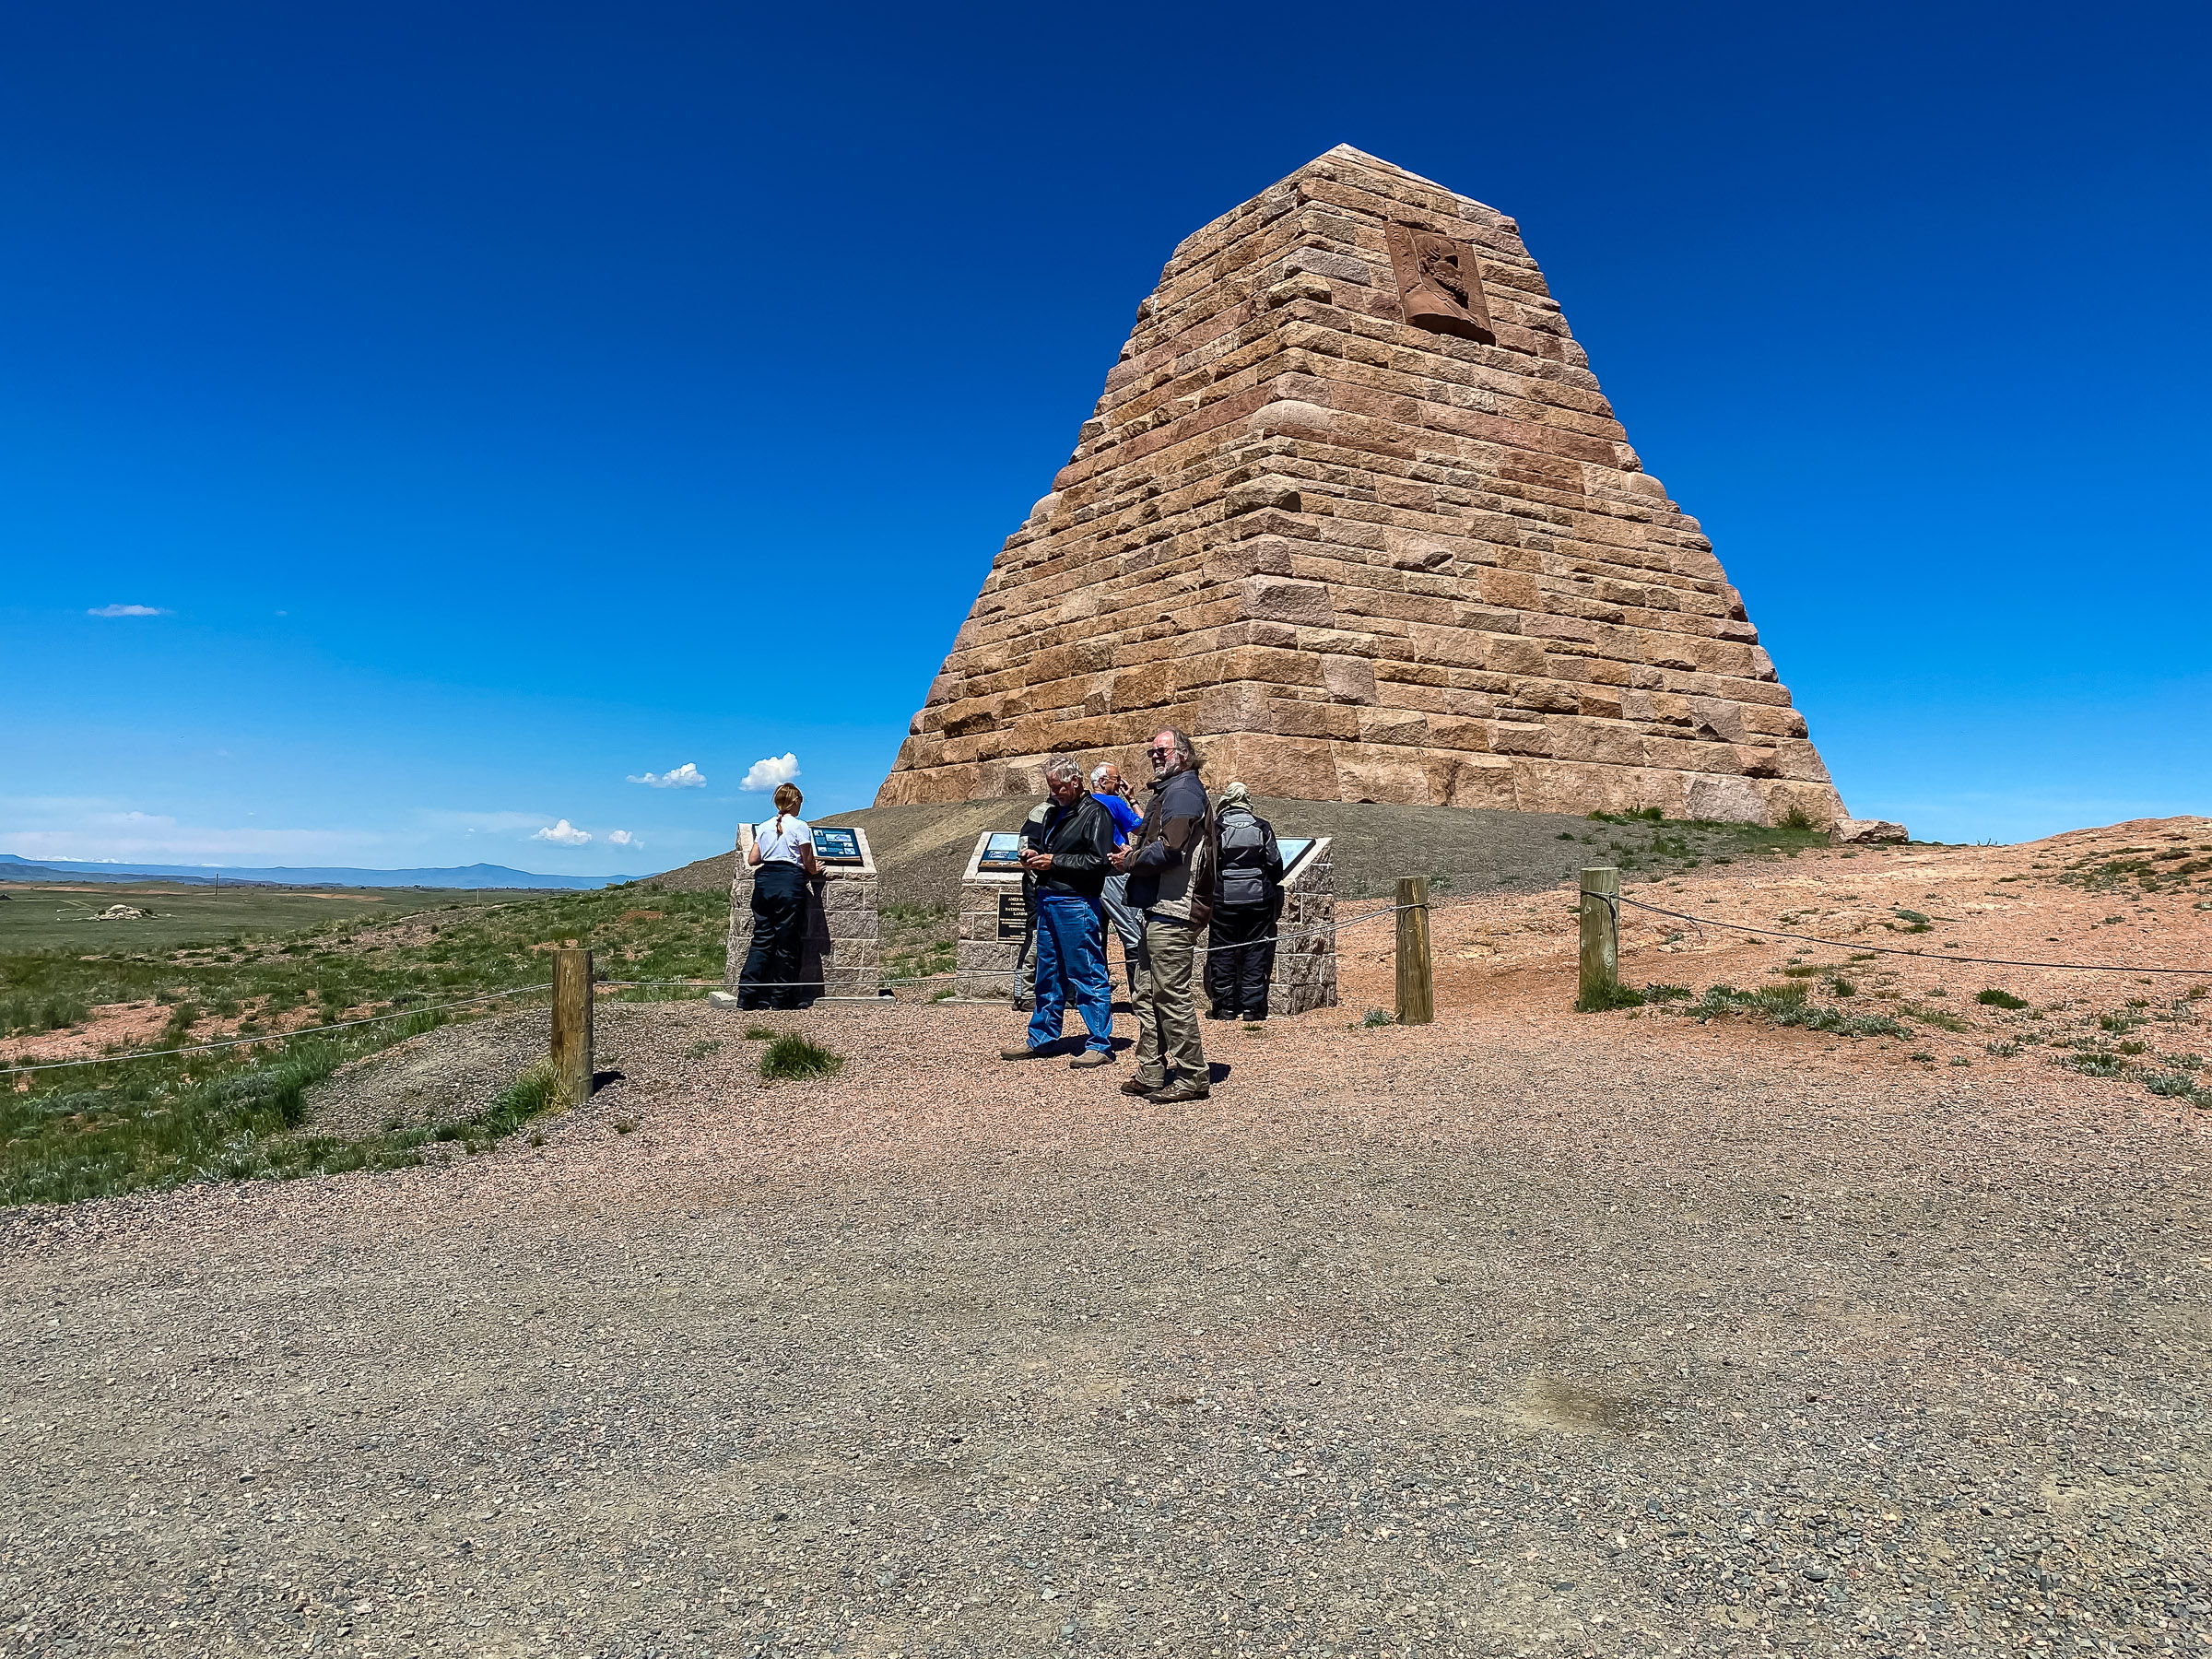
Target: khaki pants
{"type": "Point", "coordinates": [1167, 1025]}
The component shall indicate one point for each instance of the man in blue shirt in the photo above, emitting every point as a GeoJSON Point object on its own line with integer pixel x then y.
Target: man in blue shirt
{"type": "Point", "coordinates": [1110, 792]}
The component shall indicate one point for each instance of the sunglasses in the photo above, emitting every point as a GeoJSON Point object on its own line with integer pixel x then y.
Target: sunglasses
{"type": "Point", "coordinates": [1160, 754]}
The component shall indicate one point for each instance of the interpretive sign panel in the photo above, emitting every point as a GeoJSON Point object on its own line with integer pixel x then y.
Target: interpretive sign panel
{"type": "Point", "coordinates": [1291, 850]}
{"type": "Point", "coordinates": [1002, 852]}
{"type": "Point", "coordinates": [1013, 916]}
{"type": "Point", "coordinates": [834, 846]}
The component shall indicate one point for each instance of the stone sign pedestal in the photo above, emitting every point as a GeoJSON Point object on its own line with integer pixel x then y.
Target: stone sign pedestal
{"type": "Point", "coordinates": [1305, 954]}
{"type": "Point", "coordinates": [840, 947]}
{"type": "Point", "coordinates": [994, 920]}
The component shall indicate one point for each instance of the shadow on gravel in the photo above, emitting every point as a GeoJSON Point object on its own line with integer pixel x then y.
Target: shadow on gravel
{"type": "Point", "coordinates": [600, 1079]}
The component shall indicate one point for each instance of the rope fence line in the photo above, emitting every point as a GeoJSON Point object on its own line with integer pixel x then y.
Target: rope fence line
{"type": "Point", "coordinates": [1611, 902]}
{"type": "Point", "coordinates": [1897, 951]}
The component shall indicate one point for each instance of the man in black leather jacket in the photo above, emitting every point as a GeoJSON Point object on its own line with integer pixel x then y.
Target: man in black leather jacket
{"type": "Point", "coordinates": [1068, 852]}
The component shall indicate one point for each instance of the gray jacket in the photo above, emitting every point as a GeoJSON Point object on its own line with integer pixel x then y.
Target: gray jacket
{"type": "Point", "coordinates": [1173, 871]}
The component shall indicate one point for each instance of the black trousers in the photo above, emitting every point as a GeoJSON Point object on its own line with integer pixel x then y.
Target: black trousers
{"type": "Point", "coordinates": [779, 923]}
{"type": "Point", "coordinates": [1236, 971]}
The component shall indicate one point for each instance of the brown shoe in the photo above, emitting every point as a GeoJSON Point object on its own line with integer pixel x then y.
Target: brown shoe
{"type": "Point", "coordinates": [1181, 1090]}
{"type": "Point", "coordinates": [1020, 1053]}
{"type": "Point", "coordinates": [1090, 1057]}
{"type": "Point", "coordinates": [1138, 1086]}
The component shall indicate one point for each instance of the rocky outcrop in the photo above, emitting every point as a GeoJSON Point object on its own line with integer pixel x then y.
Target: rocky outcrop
{"type": "Point", "coordinates": [1853, 831]}
{"type": "Point", "coordinates": [1353, 511]}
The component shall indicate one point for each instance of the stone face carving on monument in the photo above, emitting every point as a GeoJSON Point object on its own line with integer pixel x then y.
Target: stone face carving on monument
{"type": "Point", "coordinates": [1353, 511]}
{"type": "Point", "coordinates": [1440, 287]}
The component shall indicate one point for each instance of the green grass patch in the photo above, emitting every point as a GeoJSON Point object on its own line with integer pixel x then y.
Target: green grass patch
{"type": "Point", "coordinates": [2173, 1086]}
{"type": "Point", "coordinates": [1607, 998]}
{"type": "Point", "coordinates": [1941, 1019]}
{"type": "Point", "coordinates": [792, 1058]}
{"type": "Point", "coordinates": [2094, 1064]}
{"type": "Point", "coordinates": [138, 1121]}
{"type": "Point", "coordinates": [1790, 1005]}
{"type": "Point", "coordinates": [918, 940]}
{"type": "Point", "coordinates": [1995, 998]}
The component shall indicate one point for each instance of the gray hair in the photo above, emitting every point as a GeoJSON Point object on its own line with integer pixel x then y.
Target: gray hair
{"type": "Point", "coordinates": [1063, 766]}
{"type": "Point", "coordinates": [1098, 772]}
{"type": "Point", "coordinates": [1184, 747]}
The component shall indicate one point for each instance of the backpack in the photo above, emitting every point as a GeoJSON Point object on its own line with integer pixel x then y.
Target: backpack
{"type": "Point", "coordinates": [1250, 865]}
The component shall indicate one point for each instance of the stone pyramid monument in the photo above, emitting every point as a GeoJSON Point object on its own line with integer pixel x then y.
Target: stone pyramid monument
{"type": "Point", "coordinates": [1353, 511]}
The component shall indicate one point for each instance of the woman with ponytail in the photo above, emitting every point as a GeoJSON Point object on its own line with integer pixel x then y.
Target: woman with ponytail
{"type": "Point", "coordinates": [782, 857]}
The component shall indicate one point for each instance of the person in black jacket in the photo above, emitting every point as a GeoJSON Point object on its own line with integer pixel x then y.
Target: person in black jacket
{"type": "Point", "coordinates": [1170, 860]}
{"type": "Point", "coordinates": [1248, 904]}
{"type": "Point", "coordinates": [1067, 852]}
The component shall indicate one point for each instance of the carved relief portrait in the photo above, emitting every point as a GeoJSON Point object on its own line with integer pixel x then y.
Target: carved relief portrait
{"type": "Point", "coordinates": [1438, 287]}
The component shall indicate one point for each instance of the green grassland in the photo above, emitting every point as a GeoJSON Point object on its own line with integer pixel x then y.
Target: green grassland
{"type": "Point", "coordinates": [57, 917]}
{"type": "Point", "coordinates": [128, 1123]}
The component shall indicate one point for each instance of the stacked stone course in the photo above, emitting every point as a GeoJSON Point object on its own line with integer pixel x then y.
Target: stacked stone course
{"type": "Point", "coordinates": [1362, 559]}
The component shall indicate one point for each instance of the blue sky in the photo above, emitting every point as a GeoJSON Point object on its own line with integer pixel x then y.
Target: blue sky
{"type": "Point", "coordinates": [503, 402]}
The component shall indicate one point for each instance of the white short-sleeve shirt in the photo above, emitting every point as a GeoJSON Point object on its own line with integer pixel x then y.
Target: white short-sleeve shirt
{"type": "Point", "coordinates": [781, 846]}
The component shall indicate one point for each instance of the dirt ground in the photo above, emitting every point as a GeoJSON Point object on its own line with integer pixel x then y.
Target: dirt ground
{"type": "Point", "coordinates": [1521, 1333]}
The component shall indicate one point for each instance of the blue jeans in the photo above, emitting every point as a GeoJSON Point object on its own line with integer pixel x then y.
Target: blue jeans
{"type": "Point", "coordinates": [1071, 967]}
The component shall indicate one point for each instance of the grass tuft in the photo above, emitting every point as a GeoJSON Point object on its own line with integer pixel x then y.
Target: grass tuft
{"type": "Point", "coordinates": [792, 1058]}
{"type": "Point", "coordinates": [1603, 1001]}
{"type": "Point", "coordinates": [1995, 998]}
{"type": "Point", "coordinates": [1788, 1006]}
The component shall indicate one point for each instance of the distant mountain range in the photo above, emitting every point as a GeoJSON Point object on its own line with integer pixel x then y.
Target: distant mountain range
{"type": "Point", "coordinates": [13, 868]}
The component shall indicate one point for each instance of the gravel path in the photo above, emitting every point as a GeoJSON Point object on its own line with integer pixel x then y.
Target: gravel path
{"type": "Point", "coordinates": [1517, 1333]}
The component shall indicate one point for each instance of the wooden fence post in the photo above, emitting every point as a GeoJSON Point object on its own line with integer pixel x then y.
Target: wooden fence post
{"type": "Point", "coordinates": [1416, 989]}
{"type": "Point", "coordinates": [1601, 939]}
{"type": "Point", "coordinates": [572, 1024]}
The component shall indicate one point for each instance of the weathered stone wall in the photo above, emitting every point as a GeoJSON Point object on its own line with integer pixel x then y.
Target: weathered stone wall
{"type": "Point", "coordinates": [1364, 559]}
{"type": "Point", "coordinates": [983, 963]}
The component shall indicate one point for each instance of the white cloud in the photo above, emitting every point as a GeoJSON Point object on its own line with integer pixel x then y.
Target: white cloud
{"type": "Point", "coordinates": [127, 610]}
{"type": "Point", "coordinates": [622, 838]}
{"type": "Point", "coordinates": [564, 832]}
{"type": "Point", "coordinates": [768, 773]}
{"type": "Point", "coordinates": [686, 776]}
